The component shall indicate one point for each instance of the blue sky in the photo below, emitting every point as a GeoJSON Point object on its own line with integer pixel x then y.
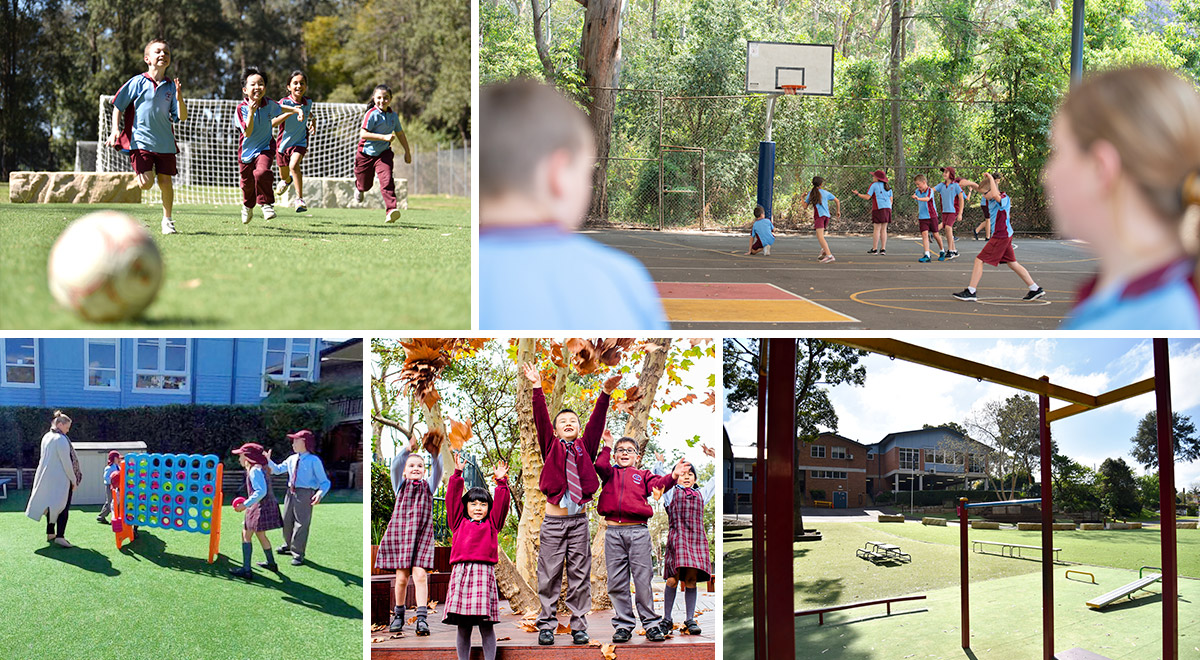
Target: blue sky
{"type": "Point", "coordinates": [900, 396]}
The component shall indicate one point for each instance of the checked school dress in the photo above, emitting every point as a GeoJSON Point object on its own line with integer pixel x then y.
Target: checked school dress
{"type": "Point", "coordinates": [408, 540]}
{"type": "Point", "coordinates": [687, 542]}
{"type": "Point", "coordinates": [263, 515]}
{"type": "Point", "coordinates": [472, 596]}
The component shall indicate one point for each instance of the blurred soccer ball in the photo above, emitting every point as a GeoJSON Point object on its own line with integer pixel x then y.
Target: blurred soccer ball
{"type": "Point", "coordinates": [105, 267]}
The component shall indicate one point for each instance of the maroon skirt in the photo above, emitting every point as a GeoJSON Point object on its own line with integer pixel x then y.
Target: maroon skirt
{"type": "Point", "coordinates": [472, 597]}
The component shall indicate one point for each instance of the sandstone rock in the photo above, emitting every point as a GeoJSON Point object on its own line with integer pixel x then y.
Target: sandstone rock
{"type": "Point", "coordinates": [883, 517]}
{"type": "Point", "coordinates": [1185, 525]}
{"type": "Point", "coordinates": [1091, 526]}
{"type": "Point", "coordinates": [938, 522]}
{"type": "Point", "coordinates": [984, 524]}
{"type": "Point", "coordinates": [326, 193]}
{"type": "Point", "coordinates": [74, 188]}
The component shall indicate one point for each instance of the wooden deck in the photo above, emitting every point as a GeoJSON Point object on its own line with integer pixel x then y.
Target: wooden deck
{"type": "Point", "coordinates": [514, 643]}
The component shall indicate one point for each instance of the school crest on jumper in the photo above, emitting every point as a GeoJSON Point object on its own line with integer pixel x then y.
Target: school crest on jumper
{"type": "Point", "coordinates": [637, 478]}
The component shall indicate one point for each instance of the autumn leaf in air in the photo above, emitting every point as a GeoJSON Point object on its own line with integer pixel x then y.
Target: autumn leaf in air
{"type": "Point", "coordinates": [432, 442]}
{"type": "Point", "coordinates": [460, 432]}
{"type": "Point", "coordinates": [710, 400]}
{"type": "Point", "coordinates": [632, 396]}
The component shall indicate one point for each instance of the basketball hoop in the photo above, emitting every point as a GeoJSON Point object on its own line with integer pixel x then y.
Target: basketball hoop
{"type": "Point", "coordinates": [791, 90]}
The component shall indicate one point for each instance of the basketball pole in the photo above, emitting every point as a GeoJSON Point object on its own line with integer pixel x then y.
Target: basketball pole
{"type": "Point", "coordinates": [766, 161]}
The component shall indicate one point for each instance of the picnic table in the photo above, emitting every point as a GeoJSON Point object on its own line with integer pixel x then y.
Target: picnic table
{"type": "Point", "coordinates": [878, 551]}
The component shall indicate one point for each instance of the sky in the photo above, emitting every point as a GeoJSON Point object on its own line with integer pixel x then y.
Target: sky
{"type": "Point", "coordinates": [901, 396]}
{"type": "Point", "coordinates": [679, 425]}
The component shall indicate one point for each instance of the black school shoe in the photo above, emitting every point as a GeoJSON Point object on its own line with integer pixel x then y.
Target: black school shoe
{"type": "Point", "coordinates": [622, 635]}
{"type": "Point", "coordinates": [1034, 295]}
{"type": "Point", "coordinates": [666, 625]}
{"type": "Point", "coordinates": [655, 634]}
{"type": "Point", "coordinates": [397, 624]}
{"type": "Point", "coordinates": [580, 637]}
{"type": "Point", "coordinates": [270, 566]}
{"type": "Point", "coordinates": [244, 573]}
{"type": "Point", "coordinates": [546, 637]}
{"type": "Point", "coordinates": [965, 294]}
{"type": "Point", "coordinates": [283, 550]}
{"type": "Point", "coordinates": [692, 627]}
{"type": "Point", "coordinates": [422, 627]}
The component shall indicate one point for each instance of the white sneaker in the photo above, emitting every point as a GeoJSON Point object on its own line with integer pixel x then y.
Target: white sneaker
{"type": "Point", "coordinates": [268, 212]}
{"type": "Point", "coordinates": [246, 215]}
{"type": "Point", "coordinates": [301, 207]}
{"type": "Point", "coordinates": [358, 196]}
{"type": "Point", "coordinates": [168, 226]}
{"type": "Point", "coordinates": [392, 215]}
{"type": "Point", "coordinates": [283, 186]}
{"type": "Point", "coordinates": [767, 250]}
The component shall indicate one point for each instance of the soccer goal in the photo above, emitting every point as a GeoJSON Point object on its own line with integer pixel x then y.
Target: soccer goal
{"type": "Point", "coordinates": [208, 143]}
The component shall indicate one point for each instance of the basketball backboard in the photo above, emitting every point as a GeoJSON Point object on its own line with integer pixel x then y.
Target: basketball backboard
{"type": "Point", "coordinates": [770, 65]}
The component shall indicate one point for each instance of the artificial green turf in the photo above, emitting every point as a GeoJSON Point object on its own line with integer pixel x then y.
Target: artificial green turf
{"type": "Point", "coordinates": [326, 268]}
{"type": "Point", "coordinates": [159, 598]}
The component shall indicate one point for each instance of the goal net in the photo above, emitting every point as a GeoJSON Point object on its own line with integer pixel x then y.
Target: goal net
{"type": "Point", "coordinates": [208, 142]}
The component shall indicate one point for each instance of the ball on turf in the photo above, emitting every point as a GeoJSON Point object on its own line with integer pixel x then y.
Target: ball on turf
{"type": "Point", "coordinates": [105, 267]}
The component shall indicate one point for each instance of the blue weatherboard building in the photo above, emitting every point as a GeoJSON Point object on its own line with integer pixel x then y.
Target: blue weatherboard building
{"type": "Point", "coordinates": [124, 373]}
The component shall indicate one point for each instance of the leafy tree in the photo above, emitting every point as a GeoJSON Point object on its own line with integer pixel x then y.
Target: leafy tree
{"type": "Point", "coordinates": [1145, 440]}
{"type": "Point", "coordinates": [1074, 484]}
{"type": "Point", "coordinates": [1010, 428]}
{"type": "Point", "coordinates": [1118, 490]}
{"type": "Point", "coordinates": [1148, 491]}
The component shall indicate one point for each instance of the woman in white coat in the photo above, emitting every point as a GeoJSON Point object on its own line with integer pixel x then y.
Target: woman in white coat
{"type": "Point", "coordinates": [57, 477]}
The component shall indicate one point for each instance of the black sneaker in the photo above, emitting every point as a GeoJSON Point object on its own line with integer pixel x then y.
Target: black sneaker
{"type": "Point", "coordinates": [966, 294]}
{"type": "Point", "coordinates": [546, 637]}
{"type": "Point", "coordinates": [102, 520]}
{"type": "Point", "coordinates": [1034, 295]}
{"type": "Point", "coordinates": [666, 625]}
{"type": "Point", "coordinates": [654, 634]}
{"type": "Point", "coordinates": [241, 572]}
{"type": "Point", "coordinates": [692, 627]}
{"type": "Point", "coordinates": [622, 635]}
{"type": "Point", "coordinates": [397, 624]}
{"type": "Point", "coordinates": [422, 627]}
{"type": "Point", "coordinates": [270, 566]}
{"type": "Point", "coordinates": [580, 637]}
{"type": "Point", "coordinates": [298, 560]}
{"type": "Point", "coordinates": [283, 550]}
{"type": "Point", "coordinates": [872, 251]}
{"type": "Point", "coordinates": [976, 234]}
{"type": "Point", "coordinates": [882, 252]}
{"type": "Point", "coordinates": [952, 255]}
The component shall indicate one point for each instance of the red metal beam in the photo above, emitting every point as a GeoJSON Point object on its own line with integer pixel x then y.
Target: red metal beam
{"type": "Point", "coordinates": [758, 493]}
{"type": "Point", "coordinates": [964, 593]}
{"type": "Point", "coordinates": [780, 473]}
{"type": "Point", "coordinates": [1047, 528]}
{"type": "Point", "coordinates": [1166, 502]}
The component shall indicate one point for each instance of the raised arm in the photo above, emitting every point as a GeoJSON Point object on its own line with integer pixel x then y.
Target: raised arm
{"type": "Point", "coordinates": [604, 468]}
{"type": "Point", "coordinates": [435, 475]}
{"type": "Point", "coordinates": [398, 462]}
{"type": "Point", "coordinates": [454, 505]}
{"type": "Point", "coordinates": [278, 468]}
{"type": "Point", "coordinates": [595, 426]}
{"type": "Point", "coordinates": [541, 416]}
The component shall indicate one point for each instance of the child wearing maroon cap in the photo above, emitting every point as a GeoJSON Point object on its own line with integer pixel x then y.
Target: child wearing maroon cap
{"type": "Point", "coordinates": [685, 557]}
{"type": "Point", "coordinates": [880, 194]}
{"type": "Point", "coordinates": [407, 545]}
{"type": "Point", "coordinates": [261, 507]}
{"type": "Point", "coordinates": [475, 520]}
{"type": "Point", "coordinates": [111, 468]}
{"type": "Point", "coordinates": [627, 551]}
{"type": "Point", "coordinates": [307, 486]}
{"type": "Point", "coordinates": [568, 481]}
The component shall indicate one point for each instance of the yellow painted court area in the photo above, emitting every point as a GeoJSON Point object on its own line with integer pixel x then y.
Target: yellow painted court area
{"type": "Point", "coordinates": [797, 310]}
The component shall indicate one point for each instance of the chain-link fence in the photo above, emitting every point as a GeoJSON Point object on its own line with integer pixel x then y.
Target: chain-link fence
{"type": "Point", "coordinates": [692, 162]}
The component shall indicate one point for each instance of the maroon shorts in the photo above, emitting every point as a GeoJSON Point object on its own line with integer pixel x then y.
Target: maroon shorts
{"type": "Point", "coordinates": [997, 251]}
{"type": "Point", "coordinates": [928, 224]}
{"type": "Point", "coordinates": [881, 216]}
{"type": "Point", "coordinates": [948, 219]}
{"type": "Point", "coordinates": [821, 222]}
{"type": "Point", "coordinates": [284, 158]}
{"type": "Point", "coordinates": [757, 243]}
{"type": "Point", "coordinates": [146, 161]}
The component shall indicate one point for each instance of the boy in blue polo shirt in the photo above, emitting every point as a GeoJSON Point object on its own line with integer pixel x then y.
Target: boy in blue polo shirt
{"type": "Point", "coordinates": [951, 194]}
{"type": "Point", "coordinates": [256, 149]}
{"type": "Point", "coordinates": [535, 174]}
{"type": "Point", "coordinates": [293, 137]}
{"type": "Point", "coordinates": [307, 486]}
{"type": "Point", "coordinates": [150, 102]}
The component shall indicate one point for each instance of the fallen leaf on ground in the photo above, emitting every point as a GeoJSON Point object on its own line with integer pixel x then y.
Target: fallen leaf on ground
{"type": "Point", "coordinates": [503, 639]}
{"type": "Point", "coordinates": [191, 284]}
{"type": "Point", "coordinates": [562, 629]}
{"type": "Point", "coordinates": [527, 626]}
{"type": "Point", "coordinates": [608, 651]}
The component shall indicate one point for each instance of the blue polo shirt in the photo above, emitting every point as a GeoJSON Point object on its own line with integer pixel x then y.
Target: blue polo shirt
{"type": "Point", "coordinates": [293, 132]}
{"type": "Point", "coordinates": [261, 139]}
{"type": "Point", "coordinates": [764, 229]}
{"type": "Point", "coordinates": [998, 216]}
{"type": "Point", "coordinates": [882, 198]}
{"type": "Point", "coordinates": [546, 278]}
{"type": "Point", "coordinates": [948, 194]}
{"type": "Point", "coordinates": [823, 204]}
{"type": "Point", "coordinates": [923, 207]}
{"type": "Point", "coordinates": [378, 121]}
{"type": "Point", "coordinates": [1164, 299]}
{"type": "Point", "coordinates": [149, 109]}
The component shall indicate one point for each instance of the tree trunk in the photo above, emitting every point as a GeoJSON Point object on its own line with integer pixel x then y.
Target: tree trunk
{"type": "Point", "coordinates": [653, 366]}
{"type": "Point", "coordinates": [539, 40]}
{"type": "Point", "coordinates": [901, 180]}
{"type": "Point", "coordinates": [600, 58]}
{"type": "Point", "coordinates": [534, 507]}
{"type": "Point", "coordinates": [520, 596]}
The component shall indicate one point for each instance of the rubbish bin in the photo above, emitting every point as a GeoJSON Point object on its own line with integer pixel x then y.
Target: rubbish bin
{"type": "Point", "coordinates": [93, 456]}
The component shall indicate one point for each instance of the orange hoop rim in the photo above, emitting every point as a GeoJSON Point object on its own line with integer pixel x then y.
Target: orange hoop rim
{"type": "Point", "coordinates": [791, 90]}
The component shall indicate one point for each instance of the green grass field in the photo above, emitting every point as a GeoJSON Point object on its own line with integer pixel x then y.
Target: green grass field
{"type": "Point", "coordinates": [326, 268]}
{"type": "Point", "coordinates": [159, 598]}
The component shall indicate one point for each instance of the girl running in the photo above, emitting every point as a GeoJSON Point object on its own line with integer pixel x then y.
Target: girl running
{"type": "Point", "coordinates": [293, 137]}
{"type": "Point", "coordinates": [374, 154]}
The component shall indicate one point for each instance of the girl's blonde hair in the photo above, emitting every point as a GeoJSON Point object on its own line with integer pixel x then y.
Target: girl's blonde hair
{"type": "Point", "coordinates": [1151, 116]}
{"type": "Point", "coordinates": [59, 418]}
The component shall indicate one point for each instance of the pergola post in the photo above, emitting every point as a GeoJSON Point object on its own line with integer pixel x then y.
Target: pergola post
{"type": "Point", "coordinates": [758, 494]}
{"type": "Point", "coordinates": [1047, 529]}
{"type": "Point", "coordinates": [1166, 502]}
{"type": "Point", "coordinates": [780, 473]}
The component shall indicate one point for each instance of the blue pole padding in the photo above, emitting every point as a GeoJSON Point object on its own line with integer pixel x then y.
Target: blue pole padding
{"type": "Point", "coordinates": [766, 175]}
{"type": "Point", "coordinates": [1005, 503]}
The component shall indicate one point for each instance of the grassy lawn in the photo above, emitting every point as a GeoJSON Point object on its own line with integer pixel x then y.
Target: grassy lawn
{"type": "Point", "coordinates": [159, 598]}
{"type": "Point", "coordinates": [326, 268]}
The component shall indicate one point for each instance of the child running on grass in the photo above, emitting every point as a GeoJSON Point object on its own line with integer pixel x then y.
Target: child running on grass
{"type": "Point", "coordinates": [261, 508]}
{"type": "Point", "coordinates": [293, 137]}
{"type": "Point", "coordinates": [150, 102]}
{"type": "Point", "coordinates": [257, 149]}
{"type": "Point", "coordinates": [475, 520]}
{"type": "Point", "coordinates": [685, 558]}
{"type": "Point", "coordinates": [374, 155]}
{"type": "Point", "coordinates": [1123, 174]}
{"type": "Point", "coordinates": [110, 468]}
{"type": "Point", "coordinates": [407, 545]}
{"type": "Point", "coordinates": [307, 486]}
{"type": "Point", "coordinates": [568, 480]}
{"type": "Point", "coordinates": [999, 246]}
{"type": "Point", "coordinates": [951, 193]}
{"type": "Point", "coordinates": [927, 218]}
{"type": "Point", "coordinates": [762, 233]}
{"type": "Point", "coordinates": [880, 194]}
{"type": "Point", "coordinates": [627, 550]}
{"type": "Point", "coordinates": [818, 198]}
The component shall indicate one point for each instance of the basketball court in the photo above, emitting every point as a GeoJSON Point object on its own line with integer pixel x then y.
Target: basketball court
{"type": "Point", "coordinates": [708, 282]}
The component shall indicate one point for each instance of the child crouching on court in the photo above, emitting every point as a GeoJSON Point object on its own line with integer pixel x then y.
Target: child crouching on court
{"type": "Point", "coordinates": [536, 162]}
{"type": "Point", "coordinates": [407, 545]}
{"type": "Point", "coordinates": [762, 233]}
{"type": "Point", "coordinates": [475, 520]}
{"type": "Point", "coordinates": [627, 551]}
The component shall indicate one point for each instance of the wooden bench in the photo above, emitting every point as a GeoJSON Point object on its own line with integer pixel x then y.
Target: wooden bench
{"type": "Point", "coordinates": [825, 503]}
{"type": "Point", "coordinates": [1014, 549]}
{"type": "Point", "coordinates": [4, 482]}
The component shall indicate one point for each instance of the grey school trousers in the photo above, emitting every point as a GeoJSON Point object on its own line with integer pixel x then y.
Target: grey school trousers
{"type": "Point", "coordinates": [627, 554]}
{"type": "Point", "coordinates": [297, 519]}
{"type": "Point", "coordinates": [565, 543]}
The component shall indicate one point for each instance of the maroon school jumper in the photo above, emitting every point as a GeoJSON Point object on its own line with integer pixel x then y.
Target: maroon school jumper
{"type": "Point", "coordinates": [623, 498]}
{"type": "Point", "coordinates": [474, 549]}
{"type": "Point", "coordinates": [687, 541]}
{"type": "Point", "coordinates": [553, 481]}
{"type": "Point", "coordinates": [408, 540]}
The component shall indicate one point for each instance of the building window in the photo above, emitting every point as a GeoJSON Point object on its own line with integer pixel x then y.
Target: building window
{"type": "Point", "coordinates": [162, 365]}
{"type": "Point", "coordinates": [20, 357]}
{"type": "Point", "coordinates": [910, 459]}
{"type": "Point", "coordinates": [837, 452]}
{"type": "Point", "coordinates": [818, 451]}
{"type": "Point", "coordinates": [100, 360]}
{"type": "Point", "coordinates": [287, 360]}
{"type": "Point", "coordinates": [977, 463]}
{"type": "Point", "coordinates": [827, 474]}
{"type": "Point", "coordinates": [870, 457]}
{"type": "Point", "coordinates": [743, 471]}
